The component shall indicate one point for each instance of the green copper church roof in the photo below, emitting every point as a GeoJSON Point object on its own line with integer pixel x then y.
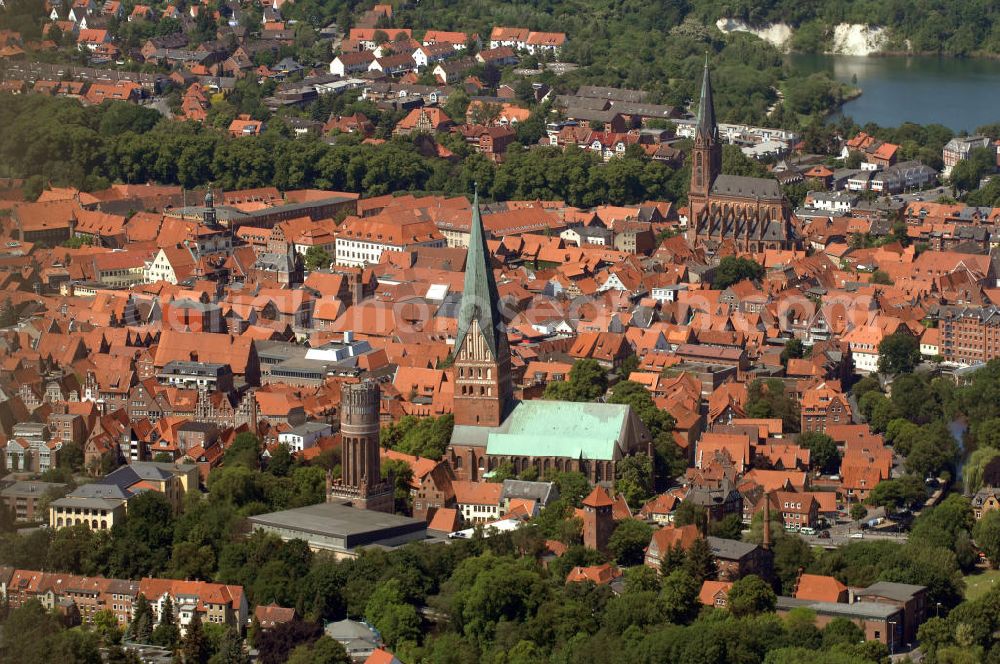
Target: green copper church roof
{"type": "Point", "coordinates": [562, 429]}
{"type": "Point", "coordinates": [480, 300]}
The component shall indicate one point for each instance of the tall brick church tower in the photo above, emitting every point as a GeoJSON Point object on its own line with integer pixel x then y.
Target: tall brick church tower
{"type": "Point", "coordinates": [706, 154]}
{"type": "Point", "coordinates": [361, 481]}
{"type": "Point", "coordinates": [484, 390]}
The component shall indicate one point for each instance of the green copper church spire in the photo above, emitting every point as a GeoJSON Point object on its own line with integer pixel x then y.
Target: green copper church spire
{"type": "Point", "coordinates": [480, 300]}
{"type": "Point", "coordinates": [706, 108]}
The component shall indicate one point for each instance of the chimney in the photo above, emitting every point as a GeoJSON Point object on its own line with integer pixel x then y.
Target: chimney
{"type": "Point", "coordinates": [798, 580]}
{"type": "Point", "coordinates": [767, 522]}
{"type": "Point", "coordinates": [357, 287]}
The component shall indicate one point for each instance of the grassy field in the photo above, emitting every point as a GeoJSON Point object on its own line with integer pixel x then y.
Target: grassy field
{"type": "Point", "coordinates": [977, 585]}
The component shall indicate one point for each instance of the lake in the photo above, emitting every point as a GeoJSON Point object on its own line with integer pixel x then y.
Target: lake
{"type": "Point", "coordinates": [959, 94]}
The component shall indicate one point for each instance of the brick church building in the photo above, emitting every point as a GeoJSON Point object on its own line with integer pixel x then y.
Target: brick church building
{"type": "Point", "coordinates": [492, 429]}
{"type": "Point", "coordinates": [750, 212]}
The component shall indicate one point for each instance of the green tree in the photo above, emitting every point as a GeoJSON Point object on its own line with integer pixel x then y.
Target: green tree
{"type": "Point", "coordinates": [881, 277]}
{"type": "Point", "coordinates": [280, 462]}
{"type": "Point", "coordinates": [934, 635]}
{"type": "Point", "coordinates": [858, 511]}
{"type": "Point", "coordinates": [194, 645]}
{"type": "Point", "coordinates": [426, 437]}
{"type": "Point", "coordinates": [902, 492]}
{"type": "Point", "coordinates": [324, 651]}
{"type": "Point", "coordinates": [729, 527]}
{"type": "Point", "coordinates": [800, 623]}
{"type": "Point", "coordinates": [641, 578]}
{"type": "Point", "coordinates": [231, 649]}
{"type": "Point", "coordinates": [987, 536]}
{"type": "Point", "coordinates": [317, 258]}
{"type": "Point", "coordinates": [972, 473]}
{"type": "Point", "coordinates": [627, 544]}
{"type": "Point", "coordinates": [456, 105]}
{"type": "Point", "coordinates": [166, 633]}
{"type": "Point", "coordinates": [901, 433]}
{"type": "Point", "coordinates": [934, 452]}
{"type": "Point", "coordinates": [106, 625]}
{"type": "Point", "coordinates": [573, 486]}
{"type": "Point", "coordinates": [635, 479]}
{"type": "Point", "coordinates": [865, 385]}
{"type": "Point", "coordinates": [914, 398]}
{"type": "Point", "coordinates": [140, 629]}
{"type": "Point", "coordinates": [669, 461]}
{"type": "Point", "coordinates": [823, 452]}
{"type": "Point", "coordinates": [841, 631]}
{"type": "Point", "coordinates": [947, 525]}
{"type": "Point", "coordinates": [966, 174]}
{"type": "Point", "coordinates": [587, 381]}
{"type": "Point", "coordinates": [388, 610]}
{"type": "Point", "coordinates": [678, 599]}
{"type": "Point", "coordinates": [899, 353]}
{"type": "Point", "coordinates": [750, 595]}
{"type": "Point", "coordinates": [734, 269]}
{"type": "Point", "coordinates": [767, 399]}
{"type": "Point", "coordinates": [402, 477]}
{"type": "Point", "coordinates": [794, 349]}
{"type": "Point", "coordinates": [141, 543]}
{"type": "Point", "coordinates": [699, 562]}
{"type": "Point", "coordinates": [245, 451]}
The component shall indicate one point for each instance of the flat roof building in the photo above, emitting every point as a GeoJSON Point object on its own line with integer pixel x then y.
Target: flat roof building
{"type": "Point", "coordinates": [340, 528]}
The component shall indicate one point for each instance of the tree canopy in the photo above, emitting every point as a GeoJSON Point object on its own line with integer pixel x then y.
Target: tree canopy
{"type": "Point", "coordinates": [733, 269]}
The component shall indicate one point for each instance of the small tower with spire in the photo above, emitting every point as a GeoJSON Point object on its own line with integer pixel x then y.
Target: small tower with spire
{"type": "Point", "coordinates": [484, 389]}
{"type": "Point", "coordinates": [208, 217]}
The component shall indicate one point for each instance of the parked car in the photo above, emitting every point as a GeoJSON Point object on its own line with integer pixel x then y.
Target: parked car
{"type": "Point", "coordinates": [857, 535]}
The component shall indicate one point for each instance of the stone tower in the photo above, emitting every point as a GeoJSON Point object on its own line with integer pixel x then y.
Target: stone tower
{"type": "Point", "coordinates": [706, 154]}
{"type": "Point", "coordinates": [484, 390]}
{"type": "Point", "coordinates": [361, 482]}
{"type": "Point", "coordinates": [598, 520]}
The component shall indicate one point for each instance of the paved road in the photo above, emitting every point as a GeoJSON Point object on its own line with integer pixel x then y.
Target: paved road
{"type": "Point", "coordinates": [928, 195]}
{"type": "Point", "coordinates": [843, 538]}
